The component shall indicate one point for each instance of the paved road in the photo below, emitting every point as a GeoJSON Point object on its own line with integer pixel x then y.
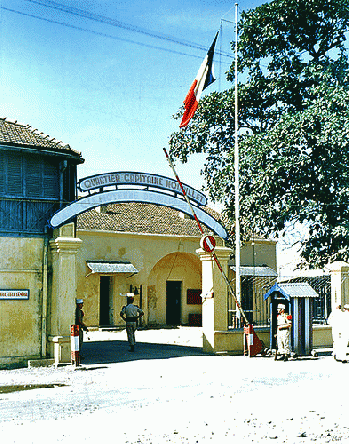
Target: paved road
{"type": "Point", "coordinates": [171, 392]}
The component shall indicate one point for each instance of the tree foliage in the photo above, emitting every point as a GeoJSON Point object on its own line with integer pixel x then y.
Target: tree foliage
{"type": "Point", "coordinates": [293, 126]}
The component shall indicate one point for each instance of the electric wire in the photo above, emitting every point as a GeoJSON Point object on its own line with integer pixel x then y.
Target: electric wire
{"type": "Point", "coordinates": [102, 34]}
{"type": "Point", "coordinates": [116, 23]}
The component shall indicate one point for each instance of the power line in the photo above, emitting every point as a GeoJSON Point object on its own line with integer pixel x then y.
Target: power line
{"type": "Point", "coordinates": [116, 23]}
{"type": "Point", "coordinates": [78, 28]}
{"type": "Point", "coordinates": [107, 20]}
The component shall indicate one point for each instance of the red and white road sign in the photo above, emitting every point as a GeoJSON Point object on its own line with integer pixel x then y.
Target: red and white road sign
{"type": "Point", "coordinates": [208, 243]}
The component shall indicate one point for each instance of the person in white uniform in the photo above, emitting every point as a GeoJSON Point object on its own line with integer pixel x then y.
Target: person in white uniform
{"type": "Point", "coordinates": [334, 320]}
{"type": "Point", "coordinates": [131, 313]}
{"type": "Point", "coordinates": [284, 325]}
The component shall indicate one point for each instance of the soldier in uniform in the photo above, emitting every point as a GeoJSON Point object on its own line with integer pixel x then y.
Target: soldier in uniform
{"type": "Point", "coordinates": [284, 325]}
{"type": "Point", "coordinates": [130, 313]}
{"type": "Point", "coordinates": [79, 320]}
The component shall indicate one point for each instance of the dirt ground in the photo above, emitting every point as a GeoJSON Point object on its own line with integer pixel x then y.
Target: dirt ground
{"type": "Point", "coordinates": [169, 391]}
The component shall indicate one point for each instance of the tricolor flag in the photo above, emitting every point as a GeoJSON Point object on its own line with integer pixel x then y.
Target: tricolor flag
{"type": "Point", "coordinates": [203, 79]}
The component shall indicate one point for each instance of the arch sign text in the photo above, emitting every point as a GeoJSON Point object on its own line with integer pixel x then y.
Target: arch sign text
{"type": "Point", "coordinates": [142, 179]}
{"type": "Point", "coordinates": [104, 189]}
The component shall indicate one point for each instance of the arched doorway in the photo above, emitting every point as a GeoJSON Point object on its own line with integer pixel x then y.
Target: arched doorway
{"type": "Point", "coordinates": [172, 278]}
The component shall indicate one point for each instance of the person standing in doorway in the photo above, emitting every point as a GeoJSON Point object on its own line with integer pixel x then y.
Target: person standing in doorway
{"type": "Point", "coordinates": [130, 313]}
{"type": "Point", "coordinates": [284, 325]}
{"type": "Point", "coordinates": [79, 320]}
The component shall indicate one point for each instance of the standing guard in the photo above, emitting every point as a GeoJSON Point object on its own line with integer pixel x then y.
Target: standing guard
{"type": "Point", "coordinates": [284, 325]}
{"type": "Point", "coordinates": [79, 320]}
{"type": "Point", "coordinates": [130, 313]}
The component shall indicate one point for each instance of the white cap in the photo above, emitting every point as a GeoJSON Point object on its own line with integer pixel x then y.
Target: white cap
{"type": "Point", "coordinates": [79, 301]}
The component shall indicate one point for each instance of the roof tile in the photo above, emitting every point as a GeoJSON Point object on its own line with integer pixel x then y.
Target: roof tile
{"type": "Point", "coordinates": [15, 134]}
{"type": "Point", "coordinates": [138, 218]}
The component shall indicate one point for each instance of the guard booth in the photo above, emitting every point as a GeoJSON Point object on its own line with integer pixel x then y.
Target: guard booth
{"type": "Point", "coordinates": [298, 300]}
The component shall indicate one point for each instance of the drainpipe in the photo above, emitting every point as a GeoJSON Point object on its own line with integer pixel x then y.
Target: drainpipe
{"type": "Point", "coordinates": [44, 300]}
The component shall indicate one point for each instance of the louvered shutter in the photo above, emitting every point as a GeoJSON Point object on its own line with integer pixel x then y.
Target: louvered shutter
{"type": "Point", "coordinates": [15, 175]}
{"type": "Point", "coordinates": [33, 177]}
{"type": "Point", "coordinates": [3, 173]}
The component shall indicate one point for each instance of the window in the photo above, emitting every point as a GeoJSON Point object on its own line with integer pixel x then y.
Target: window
{"type": "Point", "coordinates": [29, 192]}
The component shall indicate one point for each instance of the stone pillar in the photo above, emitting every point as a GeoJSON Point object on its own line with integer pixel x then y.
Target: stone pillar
{"type": "Point", "coordinates": [339, 283]}
{"type": "Point", "coordinates": [214, 296]}
{"type": "Point", "coordinates": [64, 285]}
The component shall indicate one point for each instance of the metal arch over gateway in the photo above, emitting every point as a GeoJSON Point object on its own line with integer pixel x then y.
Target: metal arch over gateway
{"type": "Point", "coordinates": [130, 178]}
{"type": "Point", "coordinates": [143, 196]}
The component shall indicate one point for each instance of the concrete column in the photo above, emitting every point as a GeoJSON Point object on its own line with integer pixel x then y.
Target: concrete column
{"type": "Point", "coordinates": [64, 285]}
{"type": "Point", "coordinates": [339, 283]}
{"type": "Point", "coordinates": [214, 296]}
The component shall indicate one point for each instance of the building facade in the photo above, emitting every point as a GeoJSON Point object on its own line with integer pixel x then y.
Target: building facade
{"type": "Point", "coordinates": [38, 176]}
{"type": "Point", "coordinates": [151, 251]}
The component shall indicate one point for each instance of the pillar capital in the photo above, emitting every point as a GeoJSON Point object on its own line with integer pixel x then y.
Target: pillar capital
{"type": "Point", "coordinates": [338, 266]}
{"type": "Point", "coordinates": [65, 245]}
{"type": "Point", "coordinates": [222, 253]}
{"type": "Point", "coordinates": [339, 283]}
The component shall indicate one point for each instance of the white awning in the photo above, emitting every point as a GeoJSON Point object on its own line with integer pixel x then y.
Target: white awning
{"type": "Point", "coordinates": [111, 267]}
{"type": "Point", "coordinates": [256, 271]}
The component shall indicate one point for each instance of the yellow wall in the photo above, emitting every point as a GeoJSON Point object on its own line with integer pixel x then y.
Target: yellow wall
{"type": "Point", "coordinates": [20, 326]}
{"type": "Point", "coordinates": [157, 258]}
{"type": "Point", "coordinates": [184, 267]}
{"type": "Point", "coordinates": [259, 252]}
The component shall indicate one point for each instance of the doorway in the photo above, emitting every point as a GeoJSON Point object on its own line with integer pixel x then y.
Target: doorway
{"type": "Point", "coordinates": [173, 302]}
{"type": "Point", "coordinates": [104, 301]}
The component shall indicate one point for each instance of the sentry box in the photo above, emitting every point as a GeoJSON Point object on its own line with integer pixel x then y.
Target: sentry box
{"type": "Point", "coordinates": [298, 300]}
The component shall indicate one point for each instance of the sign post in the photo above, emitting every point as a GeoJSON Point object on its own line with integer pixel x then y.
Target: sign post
{"type": "Point", "coordinates": [75, 346]}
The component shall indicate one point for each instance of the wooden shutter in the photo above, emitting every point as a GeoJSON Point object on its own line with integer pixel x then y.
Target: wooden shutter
{"type": "Point", "coordinates": [15, 175]}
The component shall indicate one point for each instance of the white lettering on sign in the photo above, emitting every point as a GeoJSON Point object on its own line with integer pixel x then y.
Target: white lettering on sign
{"type": "Point", "coordinates": [144, 179]}
{"type": "Point", "coordinates": [14, 294]}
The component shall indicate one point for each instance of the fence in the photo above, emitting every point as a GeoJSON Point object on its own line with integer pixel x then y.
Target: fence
{"type": "Point", "coordinates": [253, 289]}
{"type": "Point", "coordinates": [321, 304]}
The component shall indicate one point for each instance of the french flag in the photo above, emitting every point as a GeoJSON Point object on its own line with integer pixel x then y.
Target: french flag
{"type": "Point", "coordinates": [203, 79]}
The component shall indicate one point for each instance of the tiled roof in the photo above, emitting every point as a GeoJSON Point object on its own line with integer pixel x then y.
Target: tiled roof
{"type": "Point", "coordinates": [144, 218]}
{"type": "Point", "coordinates": [15, 134]}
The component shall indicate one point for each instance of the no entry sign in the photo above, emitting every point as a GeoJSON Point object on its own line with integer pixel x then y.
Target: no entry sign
{"type": "Point", "coordinates": [208, 243]}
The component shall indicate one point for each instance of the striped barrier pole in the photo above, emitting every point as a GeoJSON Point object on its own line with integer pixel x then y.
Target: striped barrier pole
{"type": "Point", "coordinates": [74, 341]}
{"type": "Point", "coordinates": [252, 344]}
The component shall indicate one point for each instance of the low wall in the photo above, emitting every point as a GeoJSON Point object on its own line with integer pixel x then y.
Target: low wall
{"type": "Point", "coordinates": [232, 341]}
{"type": "Point", "coordinates": [322, 336]}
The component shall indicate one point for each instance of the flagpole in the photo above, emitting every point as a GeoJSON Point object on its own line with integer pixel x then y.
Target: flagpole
{"type": "Point", "coordinates": [237, 184]}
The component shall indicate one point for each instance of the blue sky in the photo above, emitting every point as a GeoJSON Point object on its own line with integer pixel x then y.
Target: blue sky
{"type": "Point", "coordinates": [108, 87]}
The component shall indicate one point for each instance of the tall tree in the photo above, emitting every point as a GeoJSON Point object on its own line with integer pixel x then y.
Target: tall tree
{"type": "Point", "coordinates": [293, 126]}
